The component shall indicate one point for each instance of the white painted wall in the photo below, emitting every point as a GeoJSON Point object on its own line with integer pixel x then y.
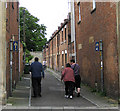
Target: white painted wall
{"type": "Point", "coordinates": [2, 52]}
{"type": "Point", "coordinates": [37, 54]}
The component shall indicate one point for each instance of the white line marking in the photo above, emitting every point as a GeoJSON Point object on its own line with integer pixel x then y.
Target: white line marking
{"type": "Point", "coordinates": [26, 78]}
{"type": "Point", "coordinates": [55, 107]}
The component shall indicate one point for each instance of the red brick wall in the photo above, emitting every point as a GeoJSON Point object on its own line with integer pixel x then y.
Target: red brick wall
{"type": "Point", "coordinates": [54, 54]}
{"type": "Point", "coordinates": [100, 25]}
{"type": "Point", "coordinates": [12, 24]}
{"type": "Point", "coordinates": [48, 54]}
{"type": "Point", "coordinates": [46, 48]}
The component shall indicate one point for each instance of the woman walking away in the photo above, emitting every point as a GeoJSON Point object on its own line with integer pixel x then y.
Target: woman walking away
{"type": "Point", "coordinates": [76, 69]}
{"type": "Point", "coordinates": [69, 80]}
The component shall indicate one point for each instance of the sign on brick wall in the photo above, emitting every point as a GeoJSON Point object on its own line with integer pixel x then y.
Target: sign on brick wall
{"type": "Point", "coordinates": [15, 45]}
{"type": "Point", "coordinates": [97, 46]}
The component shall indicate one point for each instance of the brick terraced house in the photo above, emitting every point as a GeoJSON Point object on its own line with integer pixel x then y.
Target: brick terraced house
{"type": "Point", "coordinates": [59, 49]}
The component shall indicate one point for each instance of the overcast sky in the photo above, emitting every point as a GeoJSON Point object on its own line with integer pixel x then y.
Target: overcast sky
{"type": "Point", "coordinates": [50, 12]}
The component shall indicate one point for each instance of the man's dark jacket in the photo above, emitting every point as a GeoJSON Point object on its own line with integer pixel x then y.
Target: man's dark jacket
{"type": "Point", "coordinates": [36, 69]}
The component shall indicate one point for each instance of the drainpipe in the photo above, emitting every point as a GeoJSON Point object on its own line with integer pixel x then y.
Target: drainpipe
{"type": "Point", "coordinates": [73, 27]}
{"type": "Point", "coordinates": [101, 59]}
{"type": "Point", "coordinates": [24, 33]}
{"type": "Point", "coordinates": [19, 44]}
{"type": "Point", "coordinates": [118, 45]}
{"type": "Point", "coordinates": [11, 56]}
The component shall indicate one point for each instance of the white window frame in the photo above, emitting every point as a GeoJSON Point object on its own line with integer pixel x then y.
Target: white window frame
{"type": "Point", "coordinates": [79, 12]}
{"type": "Point", "coordinates": [6, 4]}
{"type": "Point", "coordinates": [94, 4]}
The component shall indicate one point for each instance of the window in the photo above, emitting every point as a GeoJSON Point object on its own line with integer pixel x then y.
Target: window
{"type": "Point", "coordinates": [94, 5]}
{"type": "Point", "coordinates": [58, 60]}
{"type": "Point", "coordinates": [54, 42]}
{"type": "Point", "coordinates": [79, 19]}
{"type": "Point", "coordinates": [62, 59]}
{"type": "Point", "coordinates": [12, 5]}
{"type": "Point", "coordinates": [93, 8]}
{"type": "Point", "coordinates": [58, 39]}
{"type": "Point", "coordinates": [62, 35]}
{"type": "Point", "coordinates": [65, 33]}
{"type": "Point", "coordinates": [69, 38]}
{"type": "Point", "coordinates": [6, 4]}
{"type": "Point", "coordinates": [65, 56]}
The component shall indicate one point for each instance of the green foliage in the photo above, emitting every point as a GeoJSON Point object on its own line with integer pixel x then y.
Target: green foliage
{"type": "Point", "coordinates": [93, 90]}
{"type": "Point", "coordinates": [99, 92]}
{"type": "Point", "coordinates": [34, 33]}
{"type": "Point", "coordinates": [103, 93]}
{"type": "Point", "coordinates": [28, 56]}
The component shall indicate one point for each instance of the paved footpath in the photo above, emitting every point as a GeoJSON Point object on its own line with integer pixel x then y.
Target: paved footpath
{"type": "Point", "coordinates": [53, 95]}
{"type": "Point", "coordinates": [53, 99]}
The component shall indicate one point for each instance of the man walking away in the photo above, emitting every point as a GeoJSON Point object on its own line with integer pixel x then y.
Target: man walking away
{"type": "Point", "coordinates": [76, 69]}
{"type": "Point", "coordinates": [37, 71]}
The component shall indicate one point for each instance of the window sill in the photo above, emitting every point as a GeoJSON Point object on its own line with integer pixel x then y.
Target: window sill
{"type": "Point", "coordinates": [78, 2]}
{"type": "Point", "coordinates": [93, 10]}
{"type": "Point", "coordinates": [62, 43]}
{"type": "Point", "coordinates": [79, 22]}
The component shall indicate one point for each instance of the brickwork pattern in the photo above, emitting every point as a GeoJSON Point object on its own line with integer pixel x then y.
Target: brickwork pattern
{"type": "Point", "coordinates": [93, 27]}
{"type": "Point", "coordinates": [12, 26]}
{"type": "Point", "coordinates": [58, 50]}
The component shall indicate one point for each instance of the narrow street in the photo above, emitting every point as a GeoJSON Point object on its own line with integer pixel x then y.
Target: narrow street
{"type": "Point", "coordinates": [84, 35]}
{"type": "Point", "coordinates": [53, 98]}
{"type": "Point", "coordinates": [53, 95]}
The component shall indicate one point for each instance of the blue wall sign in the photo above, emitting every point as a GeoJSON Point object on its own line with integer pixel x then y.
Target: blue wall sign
{"type": "Point", "coordinates": [15, 46]}
{"type": "Point", "coordinates": [97, 46]}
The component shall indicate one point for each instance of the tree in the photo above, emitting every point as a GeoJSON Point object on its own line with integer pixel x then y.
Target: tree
{"type": "Point", "coordinates": [34, 33]}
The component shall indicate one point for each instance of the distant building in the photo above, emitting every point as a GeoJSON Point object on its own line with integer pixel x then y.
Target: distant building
{"type": "Point", "coordinates": [38, 54]}
{"type": "Point", "coordinates": [59, 49]}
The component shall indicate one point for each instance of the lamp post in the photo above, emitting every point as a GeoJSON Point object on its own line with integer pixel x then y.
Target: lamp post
{"type": "Point", "coordinates": [24, 33]}
{"type": "Point", "coordinates": [13, 47]}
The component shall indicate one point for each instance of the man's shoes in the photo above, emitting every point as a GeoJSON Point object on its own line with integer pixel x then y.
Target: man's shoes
{"type": "Point", "coordinates": [40, 95]}
{"type": "Point", "coordinates": [66, 96]}
{"type": "Point", "coordinates": [78, 95]}
{"type": "Point", "coordinates": [71, 97]}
